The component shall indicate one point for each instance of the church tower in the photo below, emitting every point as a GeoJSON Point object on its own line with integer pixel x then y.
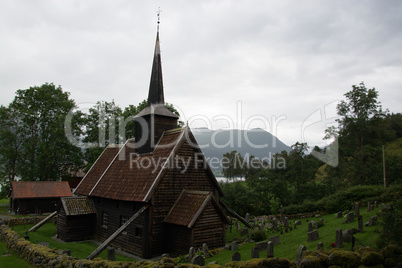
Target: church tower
{"type": "Point", "coordinates": [156, 118]}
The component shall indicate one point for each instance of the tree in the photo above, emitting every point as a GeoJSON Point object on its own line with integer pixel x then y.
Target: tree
{"type": "Point", "coordinates": [37, 142]}
{"type": "Point", "coordinates": [232, 165]}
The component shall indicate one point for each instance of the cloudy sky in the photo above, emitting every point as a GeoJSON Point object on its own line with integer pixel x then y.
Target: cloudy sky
{"type": "Point", "coordinates": [278, 65]}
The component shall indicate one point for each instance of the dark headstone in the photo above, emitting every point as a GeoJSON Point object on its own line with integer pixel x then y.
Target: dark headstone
{"type": "Point", "coordinates": [236, 256]}
{"type": "Point", "coordinates": [255, 253]}
{"type": "Point", "coordinates": [234, 246]}
{"type": "Point", "coordinates": [191, 253]}
{"type": "Point", "coordinates": [111, 254]}
{"type": "Point", "coordinates": [373, 220]}
{"type": "Point", "coordinates": [298, 222]}
{"type": "Point", "coordinates": [339, 215]}
{"type": "Point", "coordinates": [349, 217]}
{"type": "Point", "coordinates": [360, 223]}
{"type": "Point", "coordinates": [357, 209]}
{"type": "Point", "coordinates": [321, 222]}
{"type": "Point", "coordinates": [198, 260]}
{"type": "Point", "coordinates": [312, 236]}
{"type": "Point", "coordinates": [315, 225]}
{"type": "Point", "coordinates": [275, 240]}
{"type": "Point", "coordinates": [375, 204]}
{"type": "Point", "coordinates": [320, 246]}
{"type": "Point", "coordinates": [338, 238]}
{"type": "Point", "coordinates": [310, 227]}
{"type": "Point", "coordinates": [347, 236]}
{"type": "Point", "coordinates": [248, 217]}
{"type": "Point", "coordinates": [299, 254]}
{"type": "Point", "coordinates": [270, 249]}
{"type": "Point", "coordinates": [261, 245]}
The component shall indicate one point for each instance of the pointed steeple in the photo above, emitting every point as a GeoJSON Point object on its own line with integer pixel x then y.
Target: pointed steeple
{"type": "Point", "coordinates": [155, 95]}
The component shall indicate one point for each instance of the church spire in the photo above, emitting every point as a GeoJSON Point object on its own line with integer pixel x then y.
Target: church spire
{"type": "Point", "coordinates": [155, 95]}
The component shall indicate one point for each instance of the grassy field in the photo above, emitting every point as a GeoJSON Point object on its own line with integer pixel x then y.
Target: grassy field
{"type": "Point", "coordinates": [290, 242]}
{"type": "Point", "coordinates": [78, 249]}
{"type": "Point", "coordinates": [11, 260]}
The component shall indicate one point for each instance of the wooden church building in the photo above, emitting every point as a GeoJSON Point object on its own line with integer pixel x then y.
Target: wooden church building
{"type": "Point", "coordinates": [156, 193]}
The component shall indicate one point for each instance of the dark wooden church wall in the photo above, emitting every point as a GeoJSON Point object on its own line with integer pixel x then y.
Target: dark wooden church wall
{"type": "Point", "coordinates": [132, 240]}
{"type": "Point", "coordinates": [209, 229]}
{"type": "Point", "coordinates": [177, 239]}
{"type": "Point", "coordinates": [36, 205]}
{"type": "Point", "coordinates": [174, 181]}
{"type": "Point", "coordinates": [75, 228]}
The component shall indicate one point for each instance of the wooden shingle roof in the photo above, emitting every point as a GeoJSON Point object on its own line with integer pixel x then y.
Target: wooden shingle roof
{"type": "Point", "coordinates": [77, 205]}
{"type": "Point", "coordinates": [127, 176]}
{"type": "Point", "coordinates": [39, 189]}
{"type": "Point", "coordinates": [189, 206]}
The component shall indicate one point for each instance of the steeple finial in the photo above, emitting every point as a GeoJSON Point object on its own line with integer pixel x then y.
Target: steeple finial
{"type": "Point", "coordinates": [159, 17]}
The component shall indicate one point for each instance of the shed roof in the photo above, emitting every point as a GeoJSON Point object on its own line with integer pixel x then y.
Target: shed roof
{"type": "Point", "coordinates": [40, 189]}
{"type": "Point", "coordinates": [125, 175]}
{"type": "Point", "coordinates": [189, 207]}
{"type": "Point", "coordinates": [77, 206]}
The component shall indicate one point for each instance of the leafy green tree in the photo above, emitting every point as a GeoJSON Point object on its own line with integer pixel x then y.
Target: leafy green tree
{"type": "Point", "coordinates": [38, 146]}
{"type": "Point", "coordinates": [232, 165]}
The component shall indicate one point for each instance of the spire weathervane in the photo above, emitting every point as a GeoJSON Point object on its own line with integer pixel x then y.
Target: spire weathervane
{"type": "Point", "coordinates": [159, 17]}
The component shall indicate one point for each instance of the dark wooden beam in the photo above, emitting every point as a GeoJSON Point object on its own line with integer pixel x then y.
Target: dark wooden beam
{"type": "Point", "coordinates": [240, 218]}
{"type": "Point", "coordinates": [42, 222]}
{"type": "Point", "coordinates": [97, 251]}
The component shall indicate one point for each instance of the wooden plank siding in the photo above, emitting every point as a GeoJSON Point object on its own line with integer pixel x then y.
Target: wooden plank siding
{"type": "Point", "coordinates": [132, 240]}
{"type": "Point", "coordinates": [178, 238]}
{"type": "Point", "coordinates": [195, 177]}
{"type": "Point", "coordinates": [75, 228]}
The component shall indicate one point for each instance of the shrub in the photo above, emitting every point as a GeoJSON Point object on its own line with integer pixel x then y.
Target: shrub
{"type": "Point", "coordinates": [258, 235]}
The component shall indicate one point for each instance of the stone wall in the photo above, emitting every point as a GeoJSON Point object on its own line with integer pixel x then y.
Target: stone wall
{"type": "Point", "coordinates": [42, 256]}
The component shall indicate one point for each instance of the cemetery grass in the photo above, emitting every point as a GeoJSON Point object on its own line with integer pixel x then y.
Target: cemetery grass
{"type": "Point", "coordinates": [79, 250]}
{"type": "Point", "coordinates": [10, 259]}
{"type": "Point", "coordinates": [290, 242]}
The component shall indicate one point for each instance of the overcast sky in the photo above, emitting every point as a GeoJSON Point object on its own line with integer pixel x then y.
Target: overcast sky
{"type": "Point", "coordinates": [278, 65]}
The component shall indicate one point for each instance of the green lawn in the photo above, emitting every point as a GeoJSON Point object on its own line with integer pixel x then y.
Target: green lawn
{"type": "Point", "coordinates": [8, 259]}
{"type": "Point", "coordinates": [290, 242]}
{"type": "Point", "coordinates": [78, 249]}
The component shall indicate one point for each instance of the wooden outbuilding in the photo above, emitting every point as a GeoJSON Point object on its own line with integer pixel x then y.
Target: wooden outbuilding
{"type": "Point", "coordinates": [76, 220]}
{"type": "Point", "coordinates": [37, 196]}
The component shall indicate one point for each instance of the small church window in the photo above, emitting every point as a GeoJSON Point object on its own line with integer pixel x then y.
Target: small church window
{"type": "Point", "coordinates": [105, 219]}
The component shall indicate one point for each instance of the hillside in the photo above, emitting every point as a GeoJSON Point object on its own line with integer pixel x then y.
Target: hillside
{"type": "Point", "coordinates": [256, 142]}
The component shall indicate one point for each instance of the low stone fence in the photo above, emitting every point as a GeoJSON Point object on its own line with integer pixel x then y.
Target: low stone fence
{"type": "Point", "coordinates": [42, 256]}
{"type": "Point", "coordinates": [27, 220]}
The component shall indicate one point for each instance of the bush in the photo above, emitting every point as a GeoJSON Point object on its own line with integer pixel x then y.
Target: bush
{"type": "Point", "coordinates": [391, 228]}
{"type": "Point", "coordinates": [258, 235]}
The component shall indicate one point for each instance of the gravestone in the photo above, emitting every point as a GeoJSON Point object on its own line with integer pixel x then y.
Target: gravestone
{"type": "Point", "coordinates": [111, 254]}
{"type": "Point", "coordinates": [357, 209]}
{"type": "Point", "coordinates": [261, 226]}
{"type": "Point", "coordinates": [238, 226]}
{"type": "Point", "coordinates": [244, 231]}
{"type": "Point", "coordinates": [375, 204]}
{"type": "Point", "coordinates": [234, 246]}
{"type": "Point", "coordinates": [198, 260]}
{"type": "Point", "coordinates": [338, 238]}
{"type": "Point", "coordinates": [360, 223]}
{"type": "Point", "coordinates": [191, 253]}
{"type": "Point", "coordinates": [309, 227]}
{"type": "Point", "coordinates": [320, 246]}
{"type": "Point", "coordinates": [373, 221]}
{"type": "Point", "coordinates": [295, 226]}
{"type": "Point", "coordinates": [299, 254]}
{"type": "Point", "coordinates": [315, 225]}
{"type": "Point", "coordinates": [236, 256]}
{"type": "Point", "coordinates": [321, 222]}
{"type": "Point", "coordinates": [368, 206]}
{"type": "Point", "coordinates": [262, 220]}
{"type": "Point", "coordinates": [298, 222]}
{"type": "Point", "coordinates": [270, 249]}
{"type": "Point", "coordinates": [275, 240]}
{"type": "Point", "coordinates": [205, 250]}
{"type": "Point", "coordinates": [275, 224]}
{"type": "Point", "coordinates": [339, 215]}
{"type": "Point", "coordinates": [286, 222]}
{"type": "Point", "coordinates": [255, 221]}
{"type": "Point", "coordinates": [261, 245]}
{"type": "Point", "coordinates": [312, 236]}
{"type": "Point", "coordinates": [255, 253]}
{"type": "Point", "coordinates": [349, 217]}
{"type": "Point", "coordinates": [248, 217]}
{"type": "Point", "coordinates": [347, 236]}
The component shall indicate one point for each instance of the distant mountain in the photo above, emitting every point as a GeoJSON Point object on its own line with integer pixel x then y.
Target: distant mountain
{"type": "Point", "coordinates": [256, 142]}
